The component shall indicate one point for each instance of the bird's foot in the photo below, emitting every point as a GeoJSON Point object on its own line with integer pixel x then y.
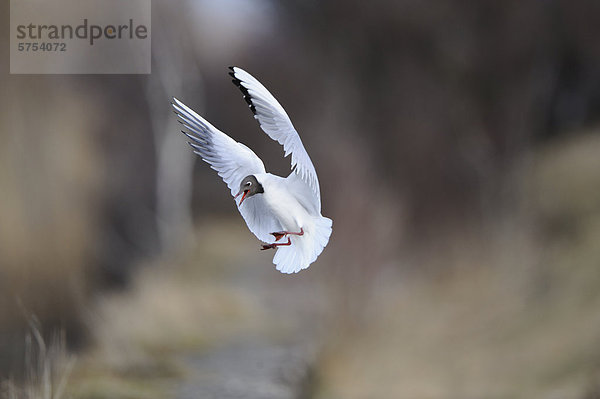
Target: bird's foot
{"type": "Point", "coordinates": [279, 234]}
{"type": "Point", "coordinates": [275, 244]}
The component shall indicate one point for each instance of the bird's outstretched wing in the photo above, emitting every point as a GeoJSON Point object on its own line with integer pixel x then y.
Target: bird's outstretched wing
{"type": "Point", "coordinates": [275, 122]}
{"type": "Point", "coordinates": [233, 161]}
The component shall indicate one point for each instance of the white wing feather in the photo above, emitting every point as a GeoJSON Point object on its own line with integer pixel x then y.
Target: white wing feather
{"type": "Point", "coordinates": [275, 122]}
{"type": "Point", "coordinates": [233, 161]}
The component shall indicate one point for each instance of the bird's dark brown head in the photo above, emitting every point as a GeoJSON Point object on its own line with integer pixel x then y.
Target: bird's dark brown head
{"type": "Point", "coordinates": [249, 187]}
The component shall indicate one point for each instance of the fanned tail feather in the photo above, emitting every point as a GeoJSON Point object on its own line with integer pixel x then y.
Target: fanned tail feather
{"type": "Point", "coordinates": [304, 249]}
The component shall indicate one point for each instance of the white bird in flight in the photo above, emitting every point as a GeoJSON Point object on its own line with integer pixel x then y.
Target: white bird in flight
{"type": "Point", "coordinates": [284, 212]}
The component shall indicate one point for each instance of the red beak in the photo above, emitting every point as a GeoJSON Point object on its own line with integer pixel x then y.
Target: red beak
{"type": "Point", "coordinates": [243, 196]}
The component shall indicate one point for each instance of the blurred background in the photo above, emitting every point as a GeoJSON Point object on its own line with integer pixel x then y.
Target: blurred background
{"type": "Point", "coordinates": [458, 152]}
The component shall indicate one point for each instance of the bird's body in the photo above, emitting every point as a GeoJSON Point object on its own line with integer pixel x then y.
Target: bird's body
{"type": "Point", "coordinates": [279, 199]}
{"type": "Point", "coordinates": [284, 212]}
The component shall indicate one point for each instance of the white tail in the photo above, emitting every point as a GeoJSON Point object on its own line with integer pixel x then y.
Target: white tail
{"type": "Point", "coordinates": [304, 249]}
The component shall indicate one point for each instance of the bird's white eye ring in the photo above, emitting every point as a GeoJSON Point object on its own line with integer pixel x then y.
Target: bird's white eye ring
{"type": "Point", "coordinates": [249, 183]}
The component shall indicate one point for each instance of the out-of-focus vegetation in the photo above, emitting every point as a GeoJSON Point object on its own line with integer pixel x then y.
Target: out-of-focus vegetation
{"type": "Point", "coordinates": [458, 152]}
{"type": "Point", "coordinates": [514, 314]}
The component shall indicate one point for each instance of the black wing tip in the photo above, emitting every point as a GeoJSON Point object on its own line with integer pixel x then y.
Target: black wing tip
{"type": "Point", "coordinates": [244, 90]}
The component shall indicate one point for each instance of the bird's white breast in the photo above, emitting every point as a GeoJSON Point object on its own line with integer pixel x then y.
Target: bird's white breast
{"type": "Point", "coordinates": [284, 206]}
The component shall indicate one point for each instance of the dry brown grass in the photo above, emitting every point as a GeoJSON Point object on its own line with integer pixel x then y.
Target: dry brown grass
{"type": "Point", "coordinates": [518, 320]}
{"type": "Point", "coordinates": [48, 367]}
{"type": "Point", "coordinates": [182, 306]}
{"type": "Point", "coordinates": [469, 337]}
{"type": "Point", "coordinates": [50, 180]}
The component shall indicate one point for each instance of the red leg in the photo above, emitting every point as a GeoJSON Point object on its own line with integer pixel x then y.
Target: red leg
{"type": "Point", "coordinates": [274, 245]}
{"type": "Point", "coordinates": [280, 234]}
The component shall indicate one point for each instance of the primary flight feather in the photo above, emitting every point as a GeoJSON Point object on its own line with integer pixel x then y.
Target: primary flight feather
{"type": "Point", "coordinates": [284, 212]}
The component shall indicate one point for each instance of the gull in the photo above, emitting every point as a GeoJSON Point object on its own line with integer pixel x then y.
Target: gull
{"type": "Point", "coordinates": [283, 212]}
